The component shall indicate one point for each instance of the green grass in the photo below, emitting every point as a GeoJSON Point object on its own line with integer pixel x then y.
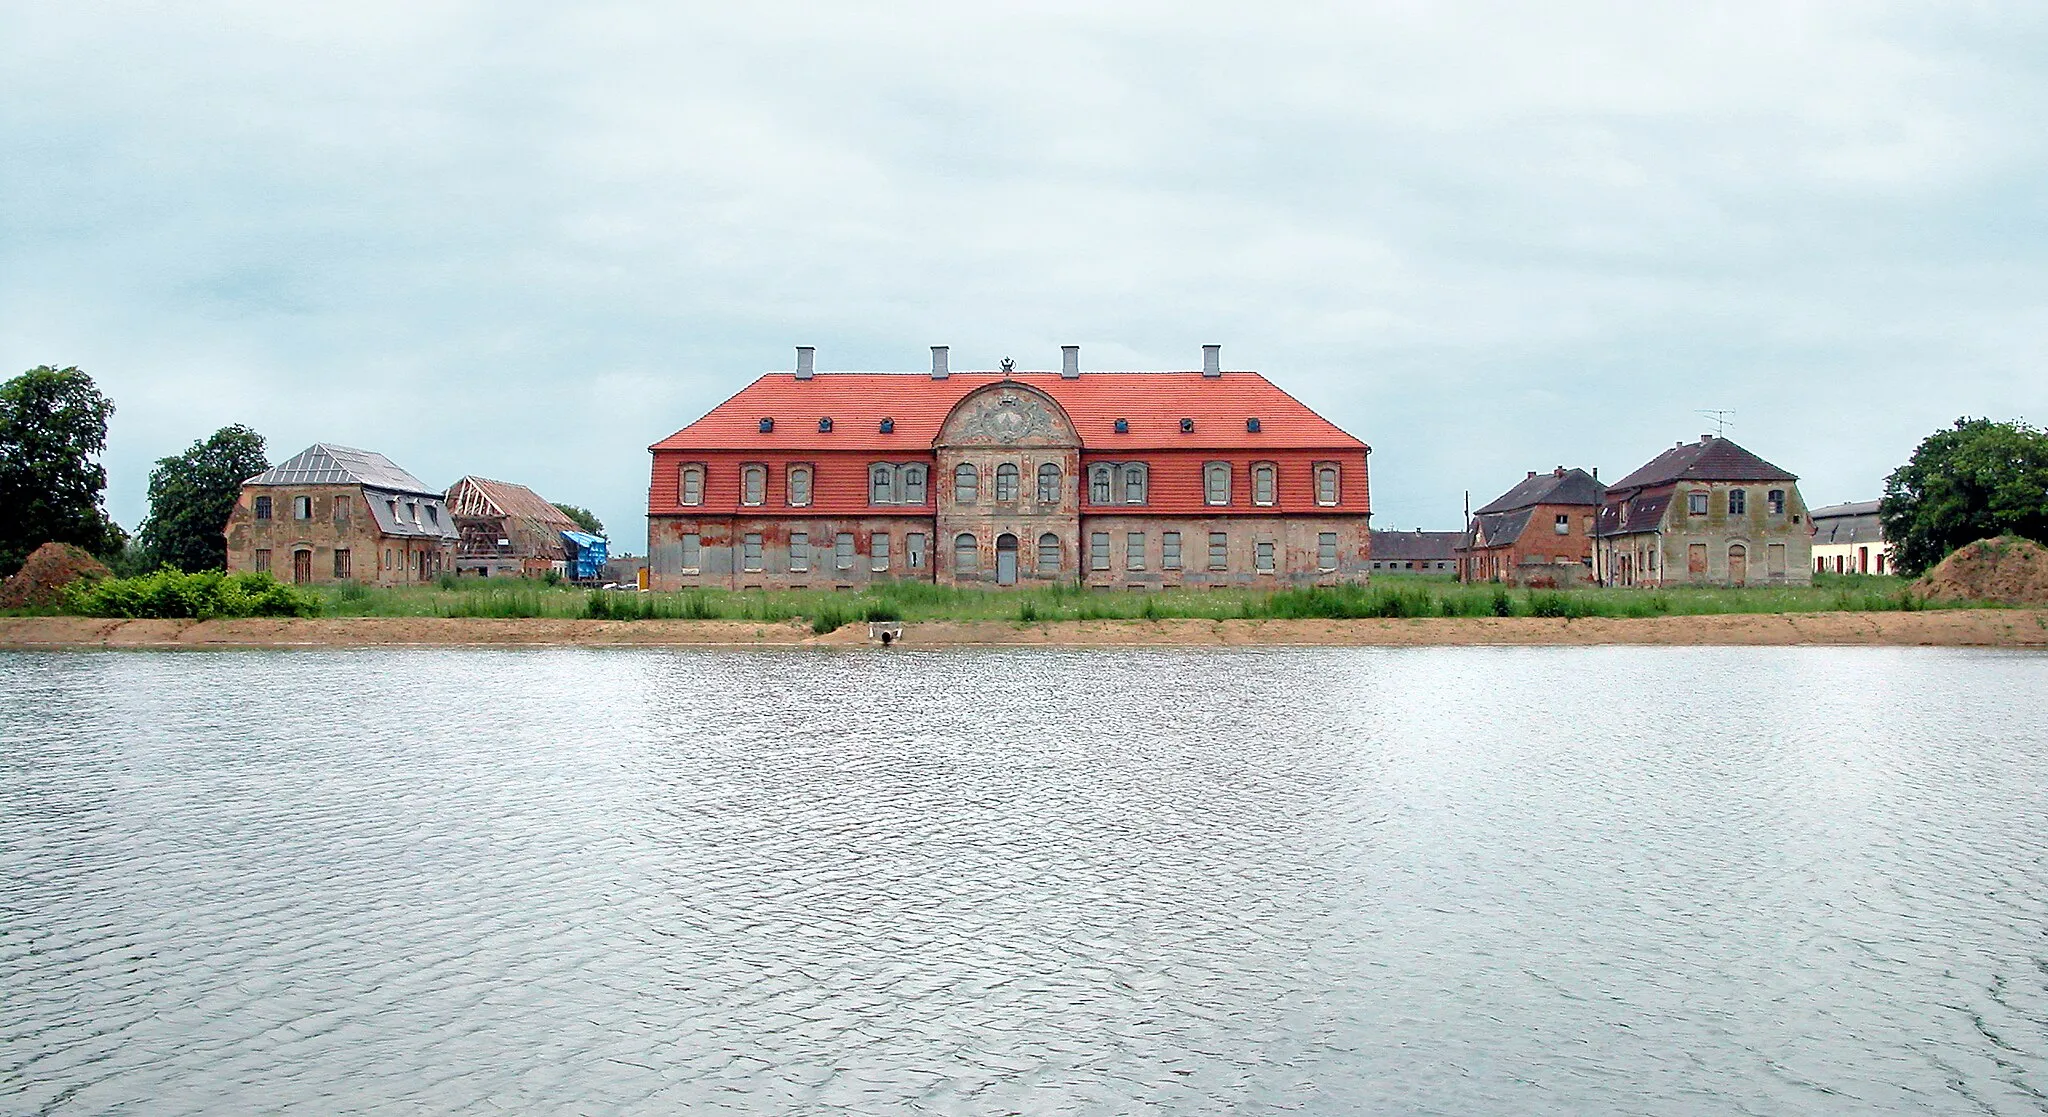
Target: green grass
{"type": "Point", "coordinates": [826, 610]}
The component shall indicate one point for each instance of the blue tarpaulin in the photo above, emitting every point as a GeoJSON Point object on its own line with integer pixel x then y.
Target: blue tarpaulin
{"type": "Point", "coordinates": [585, 554]}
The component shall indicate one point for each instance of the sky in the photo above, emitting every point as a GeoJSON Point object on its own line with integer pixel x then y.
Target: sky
{"type": "Point", "coordinates": [525, 241]}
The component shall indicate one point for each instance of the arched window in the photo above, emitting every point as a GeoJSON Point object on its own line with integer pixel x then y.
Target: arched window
{"type": "Point", "coordinates": [966, 557]}
{"type": "Point", "coordinates": [1006, 482]}
{"type": "Point", "coordinates": [881, 483]}
{"type": "Point", "coordinates": [1134, 484]}
{"type": "Point", "coordinates": [1048, 553]}
{"type": "Point", "coordinates": [1101, 479]}
{"type": "Point", "coordinates": [1216, 483]}
{"type": "Point", "coordinates": [692, 486]}
{"type": "Point", "coordinates": [913, 484]}
{"type": "Point", "coordinates": [1048, 483]}
{"type": "Point", "coordinates": [1265, 481]}
{"type": "Point", "coordinates": [1326, 484]}
{"type": "Point", "coordinates": [965, 484]}
{"type": "Point", "coordinates": [753, 484]}
{"type": "Point", "coordinates": [799, 485]}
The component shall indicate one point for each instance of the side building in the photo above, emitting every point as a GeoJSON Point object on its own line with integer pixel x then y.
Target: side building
{"type": "Point", "coordinates": [1415, 552]}
{"type": "Point", "coordinates": [337, 514]}
{"type": "Point", "coordinates": [999, 478]}
{"type": "Point", "coordinates": [1704, 513]}
{"type": "Point", "coordinates": [1538, 534]}
{"type": "Point", "coordinates": [506, 529]}
{"type": "Point", "coordinates": [1849, 539]}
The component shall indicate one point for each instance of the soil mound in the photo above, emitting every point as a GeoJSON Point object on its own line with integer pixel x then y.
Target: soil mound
{"type": "Point", "coordinates": [2008, 569]}
{"type": "Point", "coordinates": [41, 580]}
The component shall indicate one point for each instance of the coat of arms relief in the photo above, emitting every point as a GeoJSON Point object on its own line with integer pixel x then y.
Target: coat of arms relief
{"type": "Point", "coordinates": [1006, 418]}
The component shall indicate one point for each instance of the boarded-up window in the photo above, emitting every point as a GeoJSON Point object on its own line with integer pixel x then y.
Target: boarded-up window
{"type": "Point", "coordinates": [1326, 550]}
{"type": "Point", "coordinates": [1696, 559]}
{"type": "Point", "coordinates": [1169, 551]}
{"type": "Point", "coordinates": [753, 484]}
{"type": "Point", "coordinates": [1048, 553]}
{"type": "Point", "coordinates": [1264, 556]}
{"type": "Point", "coordinates": [966, 484]}
{"type": "Point", "coordinates": [1098, 551]}
{"type": "Point", "coordinates": [1774, 560]}
{"type": "Point", "coordinates": [966, 557]}
{"type": "Point", "coordinates": [799, 552]}
{"type": "Point", "coordinates": [1219, 551]}
{"type": "Point", "coordinates": [1563, 525]}
{"type": "Point", "coordinates": [1216, 483]}
{"type": "Point", "coordinates": [341, 567]}
{"type": "Point", "coordinates": [692, 485]}
{"type": "Point", "coordinates": [341, 514]}
{"type": "Point", "coordinates": [1265, 483]}
{"type": "Point", "coordinates": [799, 485]}
{"type": "Point", "coordinates": [1327, 490]}
{"type": "Point", "coordinates": [913, 550]}
{"type": "Point", "coordinates": [1775, 499]}
{"type": "Point", "coordinates": [913, 484]}
{"type": "Point", "coordinates": [692, 554]}
{"type": "Point", "coordinates": [262, 561]}
{"type": "Point", "coordinates": [750, 551]}
{"type": "Point", "coordinates": [881, 484]}
{"type": "Point", "coordinates": [878, 551]}
{"type": "Point", "coordinates": [842, 550]}
{"type": "Point", "coordinates": [1134, 551]}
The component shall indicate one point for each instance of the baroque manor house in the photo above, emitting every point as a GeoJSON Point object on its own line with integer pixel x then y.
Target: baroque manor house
{"type": "Point", "coordinates": [1136, 479]}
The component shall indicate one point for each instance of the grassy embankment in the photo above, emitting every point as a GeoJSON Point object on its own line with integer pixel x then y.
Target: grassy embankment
{"type": "Point", "coordinates": [825, 610]}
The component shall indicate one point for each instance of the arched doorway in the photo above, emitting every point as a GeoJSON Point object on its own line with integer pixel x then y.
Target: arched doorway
{"type": "Point", "coordinates": [1006, 559]}
{"type": "Point", "coordinates": [1738, 565]}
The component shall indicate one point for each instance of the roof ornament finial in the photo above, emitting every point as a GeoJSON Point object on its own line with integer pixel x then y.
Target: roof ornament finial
{"type": "Point", "coordinates": [1009, 365]}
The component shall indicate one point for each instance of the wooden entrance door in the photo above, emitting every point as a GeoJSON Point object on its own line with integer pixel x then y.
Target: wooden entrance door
{"type": "Point", "coordinates": [302, 567]}
{"type": "Point", "coordinates": [1738, 565]}
{"type": "Point", "coordinates": [1006, 560]}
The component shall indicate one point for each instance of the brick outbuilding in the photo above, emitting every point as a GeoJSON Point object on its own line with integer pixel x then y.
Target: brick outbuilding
{"type": "Point", "coordinates": [1539, 533]}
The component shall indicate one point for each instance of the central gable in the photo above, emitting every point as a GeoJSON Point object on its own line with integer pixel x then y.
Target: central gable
{"type": "Point", "coordinates": [1007, 413]}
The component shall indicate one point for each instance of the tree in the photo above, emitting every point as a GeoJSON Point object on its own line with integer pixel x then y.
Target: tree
{"type": "Point", "coordinates": [1972, 481]}
{"type": "Point", "coordinates": [53, 427]}
{"type": "Point", "coordinates": [583, 517]}
{"type": "Point", "coordinates": [190, 496]}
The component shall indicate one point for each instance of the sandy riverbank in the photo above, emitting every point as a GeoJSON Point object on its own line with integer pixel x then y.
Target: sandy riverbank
{"type": "Point", "coordinates": [1948, 628]}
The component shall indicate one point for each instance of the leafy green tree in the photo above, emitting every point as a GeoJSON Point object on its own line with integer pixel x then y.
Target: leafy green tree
{"type": "Point", "coordinates": [583, 517]}
{"type": "Point", "coordinates": [1969, 482]}
{"type": "Point", "coordinates": [53, 427]}
{"type": "Point", "coordinates": [191, 494]}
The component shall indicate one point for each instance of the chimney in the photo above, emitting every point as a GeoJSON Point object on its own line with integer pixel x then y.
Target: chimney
{"type": "Point", "coordinates": [1070, 362]}
{"type": "Point", "coordinates": [1706, 438]}
{"type": "Point", "coordinates": [1532, 476]}
{"type": "Point", "coordinates": [1212, 360]}
{"type": "Point", "coordinates": [1558, 472]}
{"type": "Point", "coordinates": [939, 369]}
{"type": "Point", "coordinates": [1596, 473]}
{"type": "Point", "coordinates": [806, 360]}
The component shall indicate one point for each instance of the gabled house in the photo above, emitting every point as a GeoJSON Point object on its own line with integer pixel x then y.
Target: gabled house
{"type": "Point", "coordinates": [506, 529]}
{"type": "Point", "coordinates": [337, 514]}
{"type": "Point", "coordinates": [1705, 513]}
{"type": "Point", "coordinates": [1539, 533]}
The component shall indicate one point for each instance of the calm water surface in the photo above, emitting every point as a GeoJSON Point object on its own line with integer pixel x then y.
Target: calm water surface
{"type": "Point", "coordinates": [1449, 881]}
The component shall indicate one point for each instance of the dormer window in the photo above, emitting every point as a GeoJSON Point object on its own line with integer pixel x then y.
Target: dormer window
{"type": "Point", "coordinates": [1123, 426]}
{"type": "Point", "coordinates": [1187, 426]}
{"type": "Point", "coordinates": [825, 425]}
{"type": "Point", "coordinates": [888, 426]}
{"type": "Point", "coordinates": [1251, 426]}
{"type": "Point", "coordinates": [767, 426]}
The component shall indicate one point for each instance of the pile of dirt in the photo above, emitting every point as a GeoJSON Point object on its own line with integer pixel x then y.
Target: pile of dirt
{"type": "Point", "coordinates": [2008, 569]}
{"type": "Point", "coordinates": [41, 580]}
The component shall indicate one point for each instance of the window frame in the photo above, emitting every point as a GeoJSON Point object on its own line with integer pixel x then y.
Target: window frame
{"type": "Point", "coordinates": [882, 483]}
{"type": "Point", "coordinates": [1696, 502]}
{"type": "Point", "coordinates": [1219, 551]}
{"type": "Point", "coordinates": [1169, 550]}
{"type": "Point", "coordinates": [341, 563]}
{"type": "Point", "coordinates": [1265, 557]}
{"type": "Point", "coordinates": [970, 553]}
{"type": "Point", "coordinates": [1134, 550]}
{"type": "Point", "coordinates": [1774, 500]}
{"type": "Point", "coordinates": [1135, 475]}
{"type": "Point", "coordinates": [1058, 549]}
{"type": "Point", "coordinates": [684, 475]}
{"type": "Point", "coordinates": [1009, 482]}
{"type": "Point", "coordinates": [1211, 471]}
{"type": "Point", "coordinates": [1269, 474]}
{"type": "Point", "coordinates": [261, 560]}
{"type": "Point", "coordinates": [1562, 524]}
{"type": "Point", "coordinates": [753, 554]}
{"type": "Point", "coordinates": [842, 550]}
{"type": "Point", "coordinates": [1327, 556]}
{"type": "Point", "coordinates": [915, 476]}
{"type": "Point", "coordinates": [305, 503]}
{"type": "Point", "coordinates": [692, 544]}
{"type": "Point", "coordinates": [1101, 484]}
{"type": "Point", "coordinates": [1329, 482]}
{"type": "Point", "coordinates": [1738, 502]}
{"type": "Point", "coordinates": [914, 550]}
{"type": "Point", "coordinates": [805, 472]}
{"type": "Point", "coordinates": [260, 507]}
{"type": "Point", "coordinates": [970, 491]}
{"type": "Point", "coordinates": [1098, 551]}
{"type": "Point", "coordinates": [750, 473]}
{"type": "Point", "coordinates": [341, 513]}
{"type": "Point", "coordinates": [799, 552]}
{"type": "Point", "coordinates": [1049, 482]}
{"type": "Point", "coordinates": [878, 552]}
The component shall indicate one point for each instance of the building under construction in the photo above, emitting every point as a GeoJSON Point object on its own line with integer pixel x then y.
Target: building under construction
{"type": "Point", "coordinates": [506, 530]}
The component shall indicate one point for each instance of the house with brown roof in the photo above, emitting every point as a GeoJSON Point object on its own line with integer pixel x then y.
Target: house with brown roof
{"type": "Point", "coordinates": [1008, 477]}
{"type": "Point", "coordinates": [1539, 533]}
{"type": "Point", "coordinates": [1704, 513]}
{"type": "Point", "coordinates": [505, 529]}
{"type": "Point", "coordinates": [338, 514]}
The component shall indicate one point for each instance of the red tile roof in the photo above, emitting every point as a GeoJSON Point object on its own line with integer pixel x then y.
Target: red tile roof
{"type": "Point", "coordinates": [1153, 403]}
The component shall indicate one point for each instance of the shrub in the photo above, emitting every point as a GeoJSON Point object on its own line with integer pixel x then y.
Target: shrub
{"type": "Point", "coordinates": [881, 611]}
{"type": "Point", "coordinates": [204, 595]}
{"type": "Point", "coordinates": [446, 581]}
{"type": "Point", "coordinates": [1027, 613]}
{"type": "Point", "coordinates": [828, 619]}
{"type": "Point", "coordinates": [552, 577]}
{"type": "Point", "coordinates": [1503, 605]}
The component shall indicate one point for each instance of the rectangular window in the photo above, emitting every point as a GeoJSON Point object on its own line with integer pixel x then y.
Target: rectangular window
{"type": "Point", "coordinates": [1219, 551]}
{"type": "Point", "coordinates": [341, 562]}
{"type": "Point", "coordinates": [1134, 551]}
{"type": "Point", "coordinates": [881, 484]}
{"type": "Point", "coordinates": [1048, 553]}
{"type": "Point", "coordinates": [799, 551]}
{"type": "Point", "coordinates": [1216, 483]}
{"type": "Point", "coordinates": [1326, 550]}
{"type": "Point", "coordinates": [842, 550]}
{"type": "Point", "coordinates": [878, 551]}
{"type": "Point", "coordinates": [913, 550]}
{"type": "Point", "coordinates": [1264, 555]}
{"type": "Point", "coordinates": [693, 484]}
{"type": "Point", "coordinates": [262, 561]}
{"type": "Point", "coordinates": [750, 551]}
{"type": "Point", "coordinates": [913, 484]}
{"type": "Point", "coordinates": [1564, 525]}
{"type": "Point", "coordinates": [1738, 502]}
{"type": "Point", "coordinates": [1776, 499]}
{"type": "Point", "coordinates": [341, 509]}
{"type": "Point", "coordinates": [1696, 503]}
{"type": "Point", "coordinates": [1326, 484]}
{"type": "Point", "coordinates": [753, 484]}
{"type": "Point", "coordinates": [1098, 484]}
{"type": "Point", "coordinates": [799, 486]}
{"type": "Point", "coordinates": [690, 553]}
{"type": "Point", "coordinates": [302, 508]}
{"type": "Point", "coordinates": [1169, 551]}
{"type": "Point", "coordinates": [1098, 551]}
{"type": "Point", "coordinates": [262, 507]}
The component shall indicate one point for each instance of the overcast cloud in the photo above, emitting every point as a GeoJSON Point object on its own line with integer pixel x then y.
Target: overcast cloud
{"type": "Point", "coordinates": [525, 241]}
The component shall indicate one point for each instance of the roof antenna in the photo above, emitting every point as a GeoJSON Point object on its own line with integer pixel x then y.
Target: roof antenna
{"type": "Point", "coordinates": [1720, 416]}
